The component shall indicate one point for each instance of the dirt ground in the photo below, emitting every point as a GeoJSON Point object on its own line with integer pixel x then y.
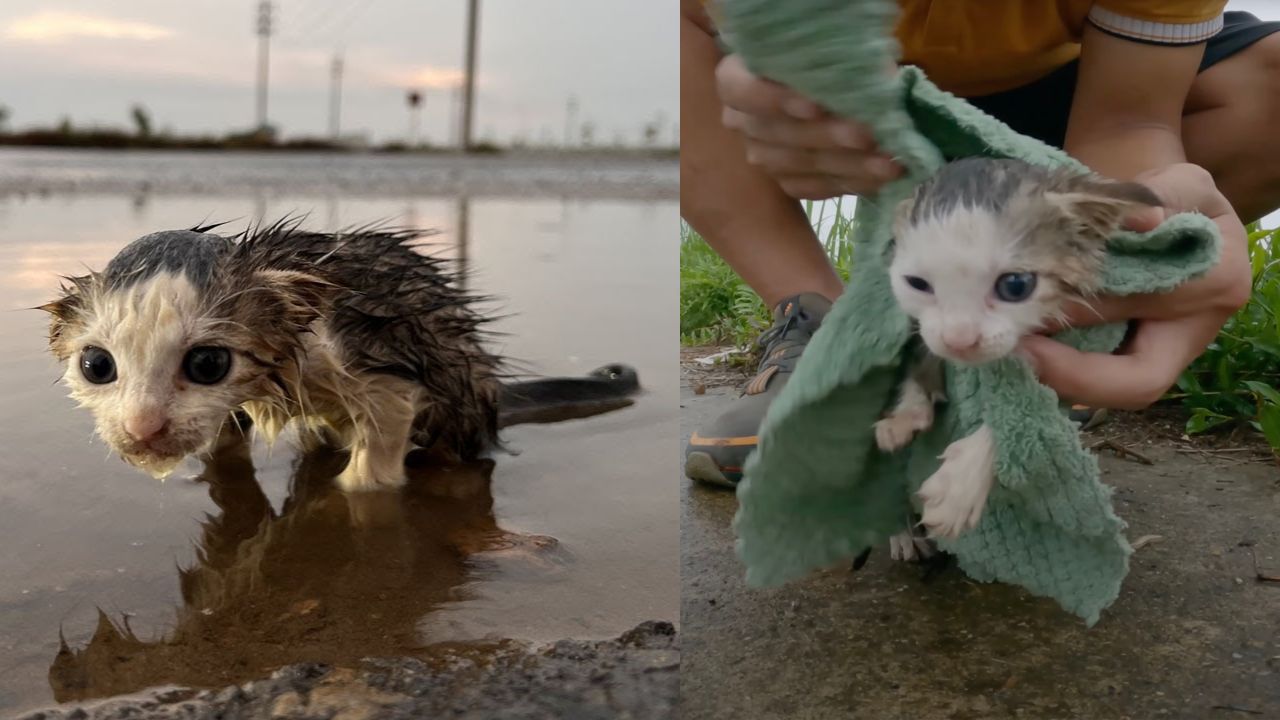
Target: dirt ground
{"type": "Point", "coordinates": [1194, 634]}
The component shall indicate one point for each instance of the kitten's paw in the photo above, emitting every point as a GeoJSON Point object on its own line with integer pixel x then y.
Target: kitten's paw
{"type": "Point", "coordinates": [907, 546]}
{"type": "Point", "coordinates": [353, 478]}
{"type": "Point", "coordinates": [895, 431]}
{"type": "Point", "coordinates": [956, 494]}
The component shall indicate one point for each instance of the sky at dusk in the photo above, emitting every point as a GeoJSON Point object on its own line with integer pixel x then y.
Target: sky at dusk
{"type": "Point", "coordinates": [193, 63]}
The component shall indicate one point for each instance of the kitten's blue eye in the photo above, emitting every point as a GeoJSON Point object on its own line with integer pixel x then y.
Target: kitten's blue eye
{"type": "Point", "coordinates": [1015, 287]}
{"type": "Point", "coordinates": [918, 283]}
{"type": "Point", "coordinates": [206, 365]}
{"type": "Point", "coordinates": [97, 366]}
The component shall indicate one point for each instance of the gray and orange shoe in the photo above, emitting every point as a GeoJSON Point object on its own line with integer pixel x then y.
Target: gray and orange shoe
{"type": "Point", "coordinates": [1087, 417]}
{"type": "Point", "coordinates": [716, 453]}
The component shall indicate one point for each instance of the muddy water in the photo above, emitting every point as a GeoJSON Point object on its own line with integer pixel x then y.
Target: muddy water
{"type": "Point", "coordinates": [228, 570]}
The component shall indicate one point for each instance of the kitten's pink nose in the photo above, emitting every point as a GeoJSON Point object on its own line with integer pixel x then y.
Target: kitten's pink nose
{"type": "Point", "coordinates": [961, 340]}
{"type": "Point", "coordinates": [146, 425]}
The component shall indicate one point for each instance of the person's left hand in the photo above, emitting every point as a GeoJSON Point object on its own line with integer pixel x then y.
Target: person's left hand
{"type": "Point", "coordinates": [1172, 329]}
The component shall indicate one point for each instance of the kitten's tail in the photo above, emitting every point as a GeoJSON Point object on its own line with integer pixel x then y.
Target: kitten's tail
{"type": "Point", "coordinates": [550, 400]}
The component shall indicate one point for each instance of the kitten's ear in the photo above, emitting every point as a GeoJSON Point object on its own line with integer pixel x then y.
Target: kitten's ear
{"type": "Point", "coordinates": [299, 297]}
{"type": "Point", "coordinates": [1099, 206]}
{"type": "Point", "coordinates": [65, 313]}
{"type": "Point", "coordinates": [902, 214]}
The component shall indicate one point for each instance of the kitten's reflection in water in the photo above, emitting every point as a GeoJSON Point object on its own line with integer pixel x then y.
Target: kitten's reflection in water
{"type": "Point", "coordinates": [331, 578]}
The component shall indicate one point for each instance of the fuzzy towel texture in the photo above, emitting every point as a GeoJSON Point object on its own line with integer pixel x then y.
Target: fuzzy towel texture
{"type": "Point", "coordinates": [817, 490]}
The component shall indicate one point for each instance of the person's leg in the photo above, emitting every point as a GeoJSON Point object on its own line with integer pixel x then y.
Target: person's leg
{"type": "Point", "coordinates": [762, 233]}
{"type": "Point", "coordinates": [1233, 123]}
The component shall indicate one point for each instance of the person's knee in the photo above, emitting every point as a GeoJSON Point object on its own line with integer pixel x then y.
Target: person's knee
{"type": "Point", "coordinates": [695, 11]}
{"type": "Point", "coordinates": [1268, 75]}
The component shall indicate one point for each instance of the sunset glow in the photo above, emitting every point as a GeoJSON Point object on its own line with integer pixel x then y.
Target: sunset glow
{"type": "Point", "coordinates": [54, 26]}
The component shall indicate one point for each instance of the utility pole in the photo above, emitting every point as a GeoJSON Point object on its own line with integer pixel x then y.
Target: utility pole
{"type": "Point", "coordinates": [455, 116]}
{"type": "Point", "coordinates": [570, 115]}
{"type": "Point", "coordinates": [264, 42]}
{"type": "Point", "coordinates": [469, 86]}
{"type": "Point", "coordinates": [335, 97]}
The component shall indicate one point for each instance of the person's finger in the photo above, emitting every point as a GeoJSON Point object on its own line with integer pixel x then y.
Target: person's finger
{"type": "Point", "coordinates": [1156, 354]}
{"type": "Point", "coordinates": [1093, 379]}
{"type": "Point", "coordinates": [1146, 219]}
{"type": "Point", "coordinates": [1182, 187]}
{"type": "Point", "coordinates": [863, 169]}
{"type": "Point", "coordinates": [828, 133]}
{"type": "Point", "coordinates": [746, 92]}
{"type": "Point", "coordinates": [811, 187]}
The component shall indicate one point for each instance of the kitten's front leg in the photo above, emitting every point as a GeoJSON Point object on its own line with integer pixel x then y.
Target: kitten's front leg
{"type": "Point", "coordinates": [913, 413]}
{"type": "Point", "coordinates": [956, 494]}
{"type": "Point", "coordinates": [378, 450]}
{"type": "Point", "coordinates": [911, 545]}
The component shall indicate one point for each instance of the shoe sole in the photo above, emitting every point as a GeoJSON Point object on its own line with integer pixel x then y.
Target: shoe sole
{"type": "Point", "coordinates": [700, 467]}
{"type": "Point", "coordinates": [1097, 418]}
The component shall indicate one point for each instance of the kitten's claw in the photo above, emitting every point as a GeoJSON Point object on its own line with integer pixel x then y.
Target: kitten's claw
{"type": "Point", "coordinates": [896, 431]}
{"type": "Point", "coordinates": [907, 546]}
{"type": "Point", "coordinates": [956, 494]}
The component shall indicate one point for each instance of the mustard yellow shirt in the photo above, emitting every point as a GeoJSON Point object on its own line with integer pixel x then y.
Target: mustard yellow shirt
{"type": "Point", "coordinates": [986, 46]}
{"type": "Point", "coordinates": [979, 47]}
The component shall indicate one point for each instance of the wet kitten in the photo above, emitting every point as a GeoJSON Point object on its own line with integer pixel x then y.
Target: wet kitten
{"type": "Point", "coordinates": [358, 337]}
{"type": "Point", "coordinates": [986, 252]}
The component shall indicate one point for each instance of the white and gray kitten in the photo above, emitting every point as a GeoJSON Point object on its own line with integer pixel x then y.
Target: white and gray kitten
{"type": "Point", "coordinates": [357, 337]}
{"type": "Point", "coordinates": [985, 252]}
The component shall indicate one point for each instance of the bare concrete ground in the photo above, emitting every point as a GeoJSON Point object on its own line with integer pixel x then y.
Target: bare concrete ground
{"type": "Point", "coordinates": [633, 677]}
{"type": "Point", "coordinates": [1194, 634]}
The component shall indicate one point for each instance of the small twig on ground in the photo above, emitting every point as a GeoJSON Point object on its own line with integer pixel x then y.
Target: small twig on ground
{"type": "Point", "coordinates": [1146, 540]}
{"type": "Point", "coordinates": [1121, 450]}
{"type": "Point", "coordinates": [1265, 577]}
{"type": "Point", "coordinates": [1237, 708]}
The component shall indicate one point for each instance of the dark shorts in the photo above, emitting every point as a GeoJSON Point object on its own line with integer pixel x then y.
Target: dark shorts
{"type": "Point", "coordinates": [1041, 108]}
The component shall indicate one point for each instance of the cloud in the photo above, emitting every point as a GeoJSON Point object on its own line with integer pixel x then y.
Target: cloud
{"type": "Point", "coordinates": [422, 77]}
{"type": "Point", "coordinates": [55, 26]}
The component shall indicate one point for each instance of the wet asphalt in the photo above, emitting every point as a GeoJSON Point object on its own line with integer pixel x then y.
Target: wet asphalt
{"type": "Point", "coordinates": [1193, 635]}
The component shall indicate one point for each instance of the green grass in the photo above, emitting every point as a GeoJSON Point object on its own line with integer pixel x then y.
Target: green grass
{"type": "Point", "coordinates": [717, 308]}
{"type": "Point", "coordinates": [1235, 382]}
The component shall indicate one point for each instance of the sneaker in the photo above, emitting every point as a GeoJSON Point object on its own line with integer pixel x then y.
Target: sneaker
{"type": "Point", "coordinates": [716, 453]}
{"type": "Point", "coordinates": [1087, 417]}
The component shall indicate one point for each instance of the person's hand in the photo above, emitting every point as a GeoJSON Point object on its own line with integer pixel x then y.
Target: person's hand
{"type": "Point", "coordinates": [812, 154]}
{"type": "Point", "coordinates": [1172, 328]}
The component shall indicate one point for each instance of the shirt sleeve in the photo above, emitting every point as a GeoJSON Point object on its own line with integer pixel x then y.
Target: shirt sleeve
{"type": "Point", "coordinates": [1160, 22]}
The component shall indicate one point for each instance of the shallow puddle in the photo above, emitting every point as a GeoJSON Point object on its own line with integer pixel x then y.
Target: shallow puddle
{"type": "Point", "coordinates": [224, 572]}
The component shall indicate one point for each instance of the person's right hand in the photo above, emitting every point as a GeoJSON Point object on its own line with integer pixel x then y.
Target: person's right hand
{"type": "Point", "coordinates": [812, 154]}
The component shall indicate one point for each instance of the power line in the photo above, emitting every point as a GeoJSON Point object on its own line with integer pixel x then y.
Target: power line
{"type": "Point", "coordinates": [305, 14]}
{"type": "Point", "coordinates": [303, 27]}
{"type": "Point", "coordinates": [338, 20]}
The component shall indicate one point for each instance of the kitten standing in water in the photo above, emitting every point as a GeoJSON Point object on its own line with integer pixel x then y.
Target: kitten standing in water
{"type": "Point", "coordinates": [985, 252]}
{"type": "Point", "coordinates": [358, 337]}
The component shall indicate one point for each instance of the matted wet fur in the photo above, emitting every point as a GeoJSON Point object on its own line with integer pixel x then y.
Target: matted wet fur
{"type": "Point", "coordinates": [986, 252]}
{"type": "Point", "coordinates": [356, 335]}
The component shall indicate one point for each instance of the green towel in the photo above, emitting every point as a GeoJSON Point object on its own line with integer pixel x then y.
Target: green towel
{"type": "Point", "coordinates": [817, 490]}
